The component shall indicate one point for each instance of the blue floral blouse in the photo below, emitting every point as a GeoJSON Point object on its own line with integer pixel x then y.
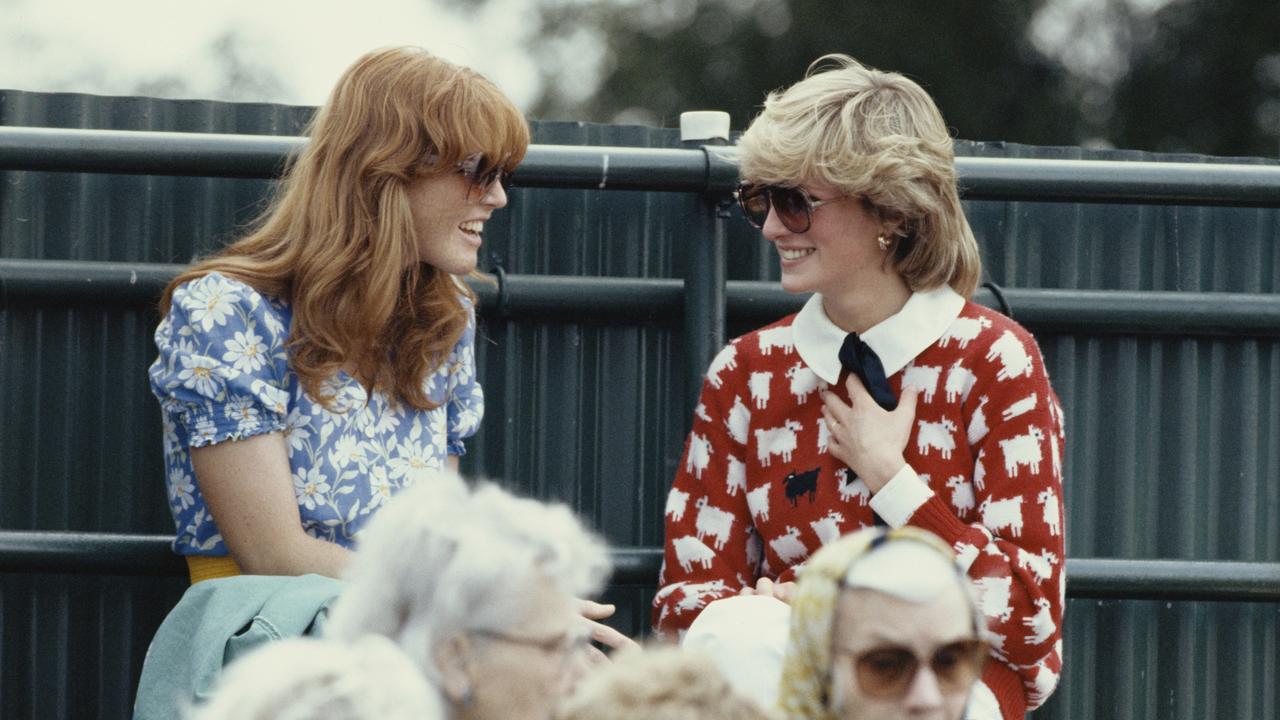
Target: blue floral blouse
{"type": "Point", "coordinates": [223, 373]}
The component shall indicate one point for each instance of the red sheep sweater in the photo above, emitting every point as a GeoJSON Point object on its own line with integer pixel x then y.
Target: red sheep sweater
{"type": "Point", "coordinates": [757, 491]}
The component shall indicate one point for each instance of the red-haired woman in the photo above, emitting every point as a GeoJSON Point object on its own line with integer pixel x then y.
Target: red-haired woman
{"type": "Point", "coordinates": [324, 361]}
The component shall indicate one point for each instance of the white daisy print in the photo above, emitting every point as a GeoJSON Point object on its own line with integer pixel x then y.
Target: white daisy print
{"type": "Point", "coordinates": [181, 488]}
{"type": "Point", "coordinates": [202, 374]}
{"type": "Point", "coordinates": [245, 352]}
{"type": "Point", "coordinates": [348, 449]}
{"type": "Point", "coordinates": [210, 302]}
{"type": "Point", "coordinates": [245, 414]}
{"type": "Point", "coordinates": [310, 487]}
{"type": "Point", "coordinates": [380, 488]}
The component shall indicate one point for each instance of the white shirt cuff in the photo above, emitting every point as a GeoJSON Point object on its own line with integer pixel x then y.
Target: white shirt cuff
{"type": "Point", "coordinates": [898, 500]}
{"type": "Point", "coordinates": [982, 704]}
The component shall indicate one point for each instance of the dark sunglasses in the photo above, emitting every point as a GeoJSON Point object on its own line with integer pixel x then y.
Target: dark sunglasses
{"type": "Point", "coordinates": [887, 672]}
{"type": "Point", "coordinates": [793, 205]}
{"type": "Point", "coordinates": [481, 174]}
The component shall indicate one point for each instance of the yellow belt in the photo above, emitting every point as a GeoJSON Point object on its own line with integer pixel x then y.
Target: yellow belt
{"type": "Point", "coordinates": [203, 567]}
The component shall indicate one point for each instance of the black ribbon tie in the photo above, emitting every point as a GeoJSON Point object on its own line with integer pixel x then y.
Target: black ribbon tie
{"type": "Point", "coordinates": [858, 358]}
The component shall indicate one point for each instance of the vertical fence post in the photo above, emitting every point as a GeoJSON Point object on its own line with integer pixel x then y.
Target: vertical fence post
{"type": "Point", "coordinates": [704, 282]}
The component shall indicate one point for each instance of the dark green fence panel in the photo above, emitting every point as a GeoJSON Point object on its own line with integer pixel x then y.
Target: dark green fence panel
{"type": "Point", "coordinates": [1173, 415]}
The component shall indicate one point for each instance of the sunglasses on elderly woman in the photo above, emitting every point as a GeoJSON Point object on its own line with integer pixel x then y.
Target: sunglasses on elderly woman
{"type": "Point", "coordinates": [793, 205]}
{"type": "Point", "coordinates": [888, 671]}
{"type": "Point", "coordinates": [482, 174]}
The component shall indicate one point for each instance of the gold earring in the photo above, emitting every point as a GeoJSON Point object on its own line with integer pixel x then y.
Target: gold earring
{"type": "Point", "coordinates": [884, 243]}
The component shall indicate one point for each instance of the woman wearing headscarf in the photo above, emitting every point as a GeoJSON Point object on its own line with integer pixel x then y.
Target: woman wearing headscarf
{"type": "Point", "coordinates": [883, 626]}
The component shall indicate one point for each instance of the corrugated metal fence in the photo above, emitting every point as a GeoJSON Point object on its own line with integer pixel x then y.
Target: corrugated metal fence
{"type": "Point", "coordinates": [1172, 396]}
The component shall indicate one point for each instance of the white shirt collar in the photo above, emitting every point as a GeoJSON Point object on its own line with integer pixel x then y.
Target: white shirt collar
{"type": "Point", "coordinates": [897, 339]}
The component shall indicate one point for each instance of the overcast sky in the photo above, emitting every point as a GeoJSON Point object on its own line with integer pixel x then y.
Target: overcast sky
{"type": "Point", "coordinates": [288, 51]}
{"type": "Point", "coordinates": [291, 51]}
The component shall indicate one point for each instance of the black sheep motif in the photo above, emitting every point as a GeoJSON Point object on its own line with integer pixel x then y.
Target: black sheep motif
{"type": "Point", "coordinates": [801, 484]}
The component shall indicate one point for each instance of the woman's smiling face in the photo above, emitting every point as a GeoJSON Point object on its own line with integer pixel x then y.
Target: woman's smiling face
{"type": "Point", "coordinates": [835, 252]}
{"type": "Point", "coordinates": [448, 226]}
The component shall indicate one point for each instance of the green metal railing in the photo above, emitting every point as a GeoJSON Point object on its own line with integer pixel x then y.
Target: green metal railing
{"type": "Point", "coordinates": [702, 302]}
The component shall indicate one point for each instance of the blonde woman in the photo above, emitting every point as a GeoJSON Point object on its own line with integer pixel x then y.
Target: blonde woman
{"type": "Point", "coordinates": [323, 362]}
{"type": "Point", "coordinates": [889, 398]}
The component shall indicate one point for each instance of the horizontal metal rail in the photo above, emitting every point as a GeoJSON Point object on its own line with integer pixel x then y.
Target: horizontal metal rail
{"type": "Point", "coordinates": [623, 168]}
{"type": "Point", "coordinates": [1086, 312]}
{"type": "Point", "coordinates": [150, 555]}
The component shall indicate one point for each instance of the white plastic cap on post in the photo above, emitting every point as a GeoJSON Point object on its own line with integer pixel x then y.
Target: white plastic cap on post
{"type": "Point", "coordinates": [704, 125]}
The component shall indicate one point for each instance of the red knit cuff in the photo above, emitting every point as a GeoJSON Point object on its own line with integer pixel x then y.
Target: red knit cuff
{"type": "Point", "coordinates": [1007, 687]}
{"type": "Point", "coordinates": [940, 520]}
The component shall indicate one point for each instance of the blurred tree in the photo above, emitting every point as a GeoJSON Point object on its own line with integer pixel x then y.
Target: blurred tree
{"type": "Point", "coordinates": [1162, 75]}
{"type": "Point", "coordinates": [661, 57]}
{"type": "Point", "coordinates": [1203, 76]}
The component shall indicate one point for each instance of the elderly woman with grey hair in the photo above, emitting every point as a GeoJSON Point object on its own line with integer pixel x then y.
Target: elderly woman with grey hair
{"type": "Point", "coordinates": [479, 588]}
{"type": "Point", "coordinates": [311, 679]}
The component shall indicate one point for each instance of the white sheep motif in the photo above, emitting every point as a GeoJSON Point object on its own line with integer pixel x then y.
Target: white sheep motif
{"type": "Point", "coordinates": [964, 330]}
{"type": "Point", "coordinates": [666, 590]}
{"type": "Point", "coordinates": [959, 382]}
{"type": "Point", "coordinates": [1013, 356]}
{"type": "Point", "coordinates": [851, 489]}
{"type": "Point", "coordinates": [1040, 566]}
{"type": "Point", "coordinates": [1041, 624]}
{"type": "Point", "coordinates": [736, 478]}
{"type": "Point", "coordinates": [936, 435]}
{"type": "Point", "coordinates": [701, 411]}
{"type": "Point", "coordinates": [993, 596]}
{"type": "Point", "coordinates": [1045, 682]}
{"type": "Point", "coordinates": [788, 547]}
{"type": "Point", "coordinates": [700, 452]}
{"type": "Point", "coordinates": [804, 382]}
{"type": "Point", "coordinates": [924, 377]}
{"type": "Point", "coordinates": [714, 522]}
{"type": "Point", "coordinates": [1003, 514]}
{"type": "Point", "coordinates": [759, 386]}
{"type": "Point", "coordinates": [1021, 407]}
{"type": "Point", "coordinates": [755, 548]}
{"type": "Point", "coordinates": [758, 503]}
{"type": "Point", "coordinates": [779, 337]}
{"type": "Point", "coordinates": [726, 359]}
{"type": "Point", "coordinates": [824, 435]}
{"type": "Point", "coordinates": [996, 642]}
{"type": "Point", "coordinates": [677, 501]}
{"type": "Point", "coordinates": [961, 493]}
{"type": "Point", "coordinates": [980, 471]}
{"type": "Point", "coordinates": [827, 528]}
{"type": "Point", "coordinates": [1052, 517]}
{"type": "Point", "coordinates": [777, 441]}
{"type": "Point", "coordinates": [1023, 450]}
{"type": "Point", "coordinates": [696, 595]}
{"type": "Point", "coordinates": [739, 421]}
{"type": "Point", "coordinates": [978, 423]}
{"type": "Point", "coordinates": [690, 550]}
{"type": "Point", "coordinates": [966, 553]}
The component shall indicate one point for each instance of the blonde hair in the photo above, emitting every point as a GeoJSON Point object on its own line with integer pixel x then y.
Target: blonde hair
{"type": "Point", "coordinates": [659, 683]}
{"type": "Point", "coordinates": [880, 136]}
{"type": "Point", "coordinates": [338, 241]}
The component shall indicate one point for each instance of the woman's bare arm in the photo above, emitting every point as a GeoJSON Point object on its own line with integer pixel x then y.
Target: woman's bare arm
{"type": "Point", "coordinates": [249, 490]}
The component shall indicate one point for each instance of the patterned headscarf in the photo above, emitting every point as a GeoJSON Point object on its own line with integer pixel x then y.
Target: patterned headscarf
{"type": "Point", "coordinates": [805, 692]}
